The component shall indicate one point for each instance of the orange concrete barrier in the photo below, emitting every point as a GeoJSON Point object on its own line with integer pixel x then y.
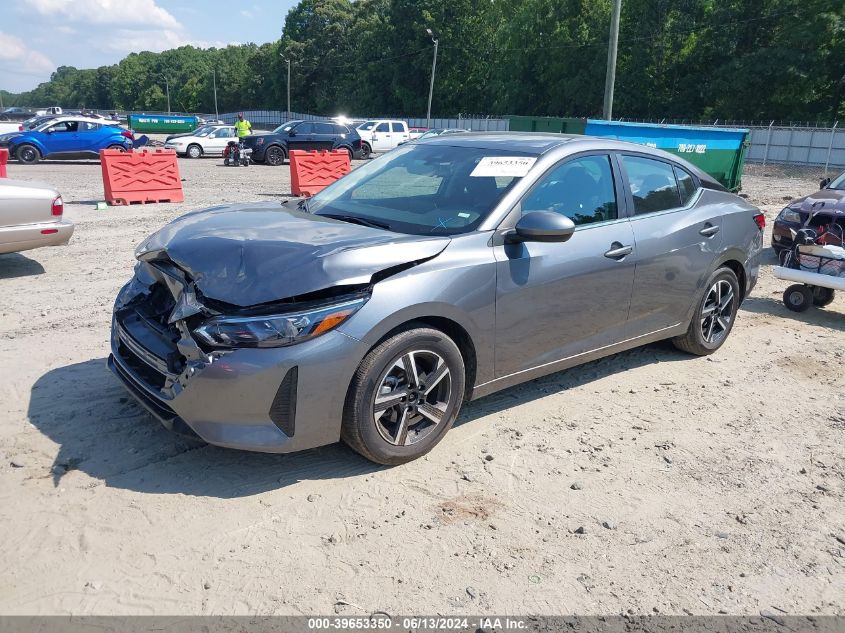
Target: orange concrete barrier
{"type": "Point", "coordinates": [141, 176]}
{"type": "Point", "coordinates": [311, 172]}
{"type": "Point", "coordinates": [4, 158]}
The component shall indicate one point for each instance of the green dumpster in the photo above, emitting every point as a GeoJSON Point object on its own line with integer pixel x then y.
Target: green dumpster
{"type": "Point", "coordinates": [719, 152]}
{"type": "Point", "coordinates": [162, 123]}
{"type": "Point", "coordinates": [546, 124]}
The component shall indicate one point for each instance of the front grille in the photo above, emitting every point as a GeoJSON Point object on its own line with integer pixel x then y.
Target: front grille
{"type": "Point", "coordinates": [146, 342]}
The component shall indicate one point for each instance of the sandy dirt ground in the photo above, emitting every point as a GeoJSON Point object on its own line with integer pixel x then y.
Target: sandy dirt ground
{"type": "Point", "coordinates": [647, 482]}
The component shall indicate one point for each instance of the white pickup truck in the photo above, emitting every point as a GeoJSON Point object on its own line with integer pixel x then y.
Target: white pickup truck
{"type": "Point", "coordinates": [382, 135]}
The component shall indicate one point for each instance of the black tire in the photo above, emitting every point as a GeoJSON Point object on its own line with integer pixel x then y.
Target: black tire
{"type": "Point", "coordinates": [351, 154]}
{"type": "Point", "coordinates": [120, 148]}
{"type": "Point", "coordinates": [823, 296]}
{"type": "Point", "coordinates": [798, 297]}
{"type": "Point", "coordinates": [423, 345]}
{"type": "Point", "coordinates": [27, 154]}
{"type": "Point", "coordinates": [709, 329]}
{"type": "Point", "coordinates": [275, 155]}
{"type": "Point", "coordinates": [193, 151]}
{"type": "Point", "coordinates": [366, 150]}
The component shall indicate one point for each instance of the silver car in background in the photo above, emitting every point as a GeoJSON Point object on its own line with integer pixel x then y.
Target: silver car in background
{"type": "Point", "coordinates": [441, 272]}
{"type": "Point", "coordinates": [31, 216]}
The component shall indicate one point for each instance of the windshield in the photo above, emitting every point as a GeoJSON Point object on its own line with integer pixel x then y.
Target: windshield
{"type": "Point", "coordinates": [369, 125]}
{"type": "Point", "coordinates": [839, 183]}
{"type": "Point", "coordinates": [429, 134]}
{"type": "Point", "coordinates": [205, 130]}
{"type": "Point", "coordinates": [286, 127]}
{"type": "Point", "coordinates": [429, 189]}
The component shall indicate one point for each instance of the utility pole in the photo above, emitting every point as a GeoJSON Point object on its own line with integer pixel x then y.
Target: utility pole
{"type": "Point", "coordinates": [287, 59]}
{"type": "Point", "coordinates": [433, 68]}
{"type": "Point", "coordinates": [167, 85]}
{"type": "Point", "coordinates": [214, 77]}
{"type": "Point", "coordinates": [610, 77]}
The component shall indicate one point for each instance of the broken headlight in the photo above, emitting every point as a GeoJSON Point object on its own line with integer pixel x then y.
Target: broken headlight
{"type": "Point", "coordinates": [276, 330]}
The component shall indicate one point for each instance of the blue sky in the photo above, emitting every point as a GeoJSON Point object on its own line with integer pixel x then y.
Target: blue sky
{"type": "Point", "coordinates": [37, 36]}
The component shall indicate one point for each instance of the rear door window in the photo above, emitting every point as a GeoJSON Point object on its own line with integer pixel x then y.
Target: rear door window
{"type": "Point", "coordinates": [652, 184]}
{"type": "Point", "coordinates": [397, 127]}
{"type": "Point", "coordinates": [686, 185]}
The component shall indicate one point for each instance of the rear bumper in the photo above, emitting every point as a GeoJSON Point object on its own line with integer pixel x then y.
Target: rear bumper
{"type": "Point", "coordinates": [276, 400]}
{"type": "Point", "coordinates": [24, 237]}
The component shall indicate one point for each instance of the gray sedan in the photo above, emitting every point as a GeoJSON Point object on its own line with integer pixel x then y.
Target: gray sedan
{"type": "Point", "coordinates": [441, 272]}
{"type": "Point", "coordinates": [31, 216]}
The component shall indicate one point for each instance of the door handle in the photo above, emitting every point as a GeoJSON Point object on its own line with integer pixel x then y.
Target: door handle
{"type": "Point", "coordinates": [618, 251]}
{"type": "Point", "coordinates": [709, 230]}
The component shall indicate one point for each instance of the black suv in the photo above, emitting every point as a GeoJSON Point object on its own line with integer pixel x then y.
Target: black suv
{"type": "Point", "coordinates": [273, 148]}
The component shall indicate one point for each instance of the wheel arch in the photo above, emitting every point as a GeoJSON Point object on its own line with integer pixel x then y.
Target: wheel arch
{"type": "Point", "coordinates": [454, 330]}
{"type": "Point", "coordinates": [732, 260]}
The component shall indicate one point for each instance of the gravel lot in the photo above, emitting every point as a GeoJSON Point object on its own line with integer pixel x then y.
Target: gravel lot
{"type": "Point", "coordinates": [645, 482]}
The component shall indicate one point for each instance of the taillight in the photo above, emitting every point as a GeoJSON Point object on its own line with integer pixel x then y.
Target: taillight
{"type": "Point", "coordinates": [20, 128]}
{"type": "Point", "coordinates": [58, 206]}
{"type": "Point", "coordinates": [760, 219]}
{"type": "Point", "coordinates": [128, 135]}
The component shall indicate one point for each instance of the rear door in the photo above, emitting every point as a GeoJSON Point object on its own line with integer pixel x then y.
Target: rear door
{"type": "Point", "coordinates": [216, 142]}
{"type": "Point", "coordinates": [92, 137]}
{"type": "Point", "coordinates": [399, 132]}
{"type": "Point", "coordinates": [324, 135]}
{"type": "Point", "coordinates": [677, 241]}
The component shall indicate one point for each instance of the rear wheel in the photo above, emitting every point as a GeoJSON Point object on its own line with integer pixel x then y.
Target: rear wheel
{"type": "Point", "coordinates": [120, 148]}
{"type": "Point", "coordinates": [28, 154]}
{"type": "Point", "coordinates": [366, 150]}
{"type": "Point", "coordinates": [823, 296]}
{"type": "Point", "coordinates": [798, 298]}
{"type": "Point", "coordinates": [194, 151]}
{"type": "Point", "coordinates": [351, 155]}
{"type": "Point", "coordinates": [274, 155]}
{"type": "Point", "coordinates": [404, 397]}
{"type": "Point", "coordinates": [714, 317]}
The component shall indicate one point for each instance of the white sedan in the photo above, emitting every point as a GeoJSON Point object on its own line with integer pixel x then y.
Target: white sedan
{"type": "Point", "coordinates": [207, 140]}
{"type": "Point", "coordinates": [31, 216]}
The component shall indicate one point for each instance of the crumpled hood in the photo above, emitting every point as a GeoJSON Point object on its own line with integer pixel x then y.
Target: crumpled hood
{"type": "Point", "coordinates": [833, 199]}
{"type": "Point", "coordinates": [248, 254]}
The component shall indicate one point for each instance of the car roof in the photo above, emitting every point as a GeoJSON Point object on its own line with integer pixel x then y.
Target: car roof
{"type": "Point", "coordinates": [527, 142]}
{"type": "Point", "coordinates": [87, 119]}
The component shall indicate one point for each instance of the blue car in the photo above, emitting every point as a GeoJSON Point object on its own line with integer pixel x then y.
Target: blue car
{"type": "Point", "coordinates": [68, 138]}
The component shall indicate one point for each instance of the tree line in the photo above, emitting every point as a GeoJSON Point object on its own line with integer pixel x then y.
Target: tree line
{"type": "Point", "coordinates": [729, 59]}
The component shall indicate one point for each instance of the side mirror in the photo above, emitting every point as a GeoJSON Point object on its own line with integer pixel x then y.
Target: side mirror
{"type": "Point", "coordinates": [292, 133]}
{"type": "Point", "coordinates": [542, 226]}
{"type": "Point", "coordinates": [824, 183]}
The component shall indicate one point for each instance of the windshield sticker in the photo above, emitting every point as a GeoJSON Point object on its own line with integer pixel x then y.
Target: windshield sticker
{"type": "Point", "coordinates": [513, 166]}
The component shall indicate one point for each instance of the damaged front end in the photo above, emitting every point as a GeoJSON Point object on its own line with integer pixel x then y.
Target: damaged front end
{"type": "Point", "coordinates": [151, 332]}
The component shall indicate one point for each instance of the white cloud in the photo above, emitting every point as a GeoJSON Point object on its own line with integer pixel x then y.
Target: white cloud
{"type": "Point", "coordinates": [17, 58]}
{"type": "Point", "coordinates": [139, 13]}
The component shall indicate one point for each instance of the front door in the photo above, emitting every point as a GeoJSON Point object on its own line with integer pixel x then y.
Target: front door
{"type": "Point", "coordinates": [62, 138]}
{"type": "Point", "coordinates": [302, 137]}
{"type": "Point", "coordinates": [382, 138]}
{"type": "Point", "coordinates": [677, 242]}
{"type": "Point", "coordinates": [559, 300]}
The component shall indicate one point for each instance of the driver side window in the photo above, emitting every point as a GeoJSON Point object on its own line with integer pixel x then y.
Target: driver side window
{"type": "Point", "coordinates": [582, 189]}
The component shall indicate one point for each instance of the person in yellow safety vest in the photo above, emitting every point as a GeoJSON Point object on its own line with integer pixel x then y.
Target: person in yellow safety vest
{"type": "Point", "coordinates": [242, 126]}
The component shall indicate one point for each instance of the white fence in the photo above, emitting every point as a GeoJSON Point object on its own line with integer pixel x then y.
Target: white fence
{"type": "Point", "coordinates": [798, 146]}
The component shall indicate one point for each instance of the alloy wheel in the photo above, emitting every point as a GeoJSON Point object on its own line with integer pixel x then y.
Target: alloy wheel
{"type": "Point", "coordinates": [412, 398]}
{"type": "Point", "coordinates": [717, 312]}
{"type": "Point", "coordinates": [275, 156]}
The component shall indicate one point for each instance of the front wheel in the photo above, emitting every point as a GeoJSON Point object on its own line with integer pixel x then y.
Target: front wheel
{"type": "Point", "coordinates": [28, 154]}
{"type": "Point", "coordinates": [194, 151]}
{"type": "Point", "coordinates": [714, 317]}
{"type": "Point", "coordinates": [404, 397]}
{"type": "Point", "coordinates": [798, 298]}
{"type": "Point", "coordinates": [274, 155]}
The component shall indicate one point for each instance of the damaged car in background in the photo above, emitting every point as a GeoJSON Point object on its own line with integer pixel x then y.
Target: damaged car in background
{"type": "Point", "coordinates": [438, 273]}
